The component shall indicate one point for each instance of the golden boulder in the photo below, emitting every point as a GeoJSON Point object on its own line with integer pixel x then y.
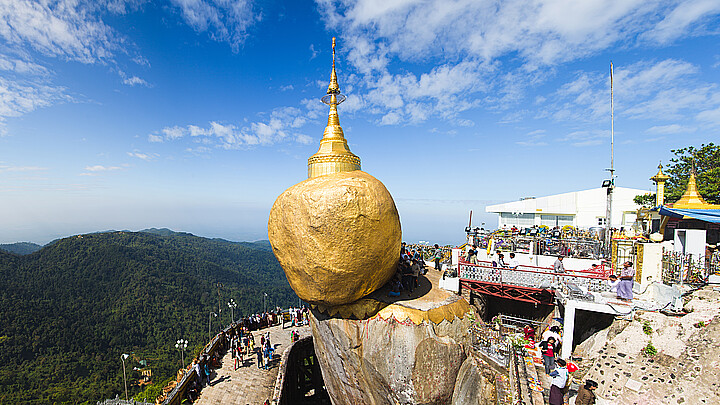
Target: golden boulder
{"type": "Point", "coordinates": [336, 236]}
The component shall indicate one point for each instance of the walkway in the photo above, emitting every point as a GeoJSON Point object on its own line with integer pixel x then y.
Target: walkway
{"type": "Point", "coordinates": [249, 384]}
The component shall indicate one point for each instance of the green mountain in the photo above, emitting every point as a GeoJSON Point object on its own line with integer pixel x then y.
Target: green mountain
{"type": "Point", "coordinates": [20, 248]}
{"type": "Point", "coordinates": [69, 310]}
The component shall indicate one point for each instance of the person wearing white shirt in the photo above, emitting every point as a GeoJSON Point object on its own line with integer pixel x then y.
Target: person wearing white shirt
{"type": "Point", "coordinates": [613, 282]}
{"type": "Point", "coordinates": [560, 377]}
{"type": "Point", "coordinates": [513, 262]}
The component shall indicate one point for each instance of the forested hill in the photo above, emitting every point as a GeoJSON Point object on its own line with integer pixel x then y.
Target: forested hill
{"type": "Point", "coordinates": [20, 248]}
{"type": "Point", "coordinates": [69, 310]}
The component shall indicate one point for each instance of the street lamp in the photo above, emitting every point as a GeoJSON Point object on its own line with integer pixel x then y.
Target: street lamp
{"type": "Point", "coordinates": [181, 345]}
{"type": "Point", "coordinates": [123, 357]}
{"type": "Point", "coordinates": [264, 306]}
{"type": "Point", "coordinates": [209, 322]}
{"type": "Point", "coordinates": [232, 304]}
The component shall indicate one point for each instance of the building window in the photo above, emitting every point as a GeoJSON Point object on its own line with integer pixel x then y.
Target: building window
{"type": "Point", "coordinates": [556, 220]}
{"type": "Point", "coordinates": [519, 220]}
{"type": "Point", "coordinates": [602, 221]}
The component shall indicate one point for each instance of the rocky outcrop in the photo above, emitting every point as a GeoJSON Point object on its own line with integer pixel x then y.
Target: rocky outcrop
{"type": "Point", "coordinates": [379, 361]}
{"type": "Point", "coordinates": [474, 385]}
{"type": "Point", "coordinates": [684, 369]}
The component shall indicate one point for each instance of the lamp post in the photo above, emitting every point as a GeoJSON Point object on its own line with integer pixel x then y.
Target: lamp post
{"type": "Point", "coordinates": [209, 323]}
{"type": "Point", "coordinates": [232, 305]}
{"type": "Point", "coordinates": [181, 345]}
{"type": "Point", "coordinates": [123, 357]}
{"type": "Point", "coordinates": [264, 306]}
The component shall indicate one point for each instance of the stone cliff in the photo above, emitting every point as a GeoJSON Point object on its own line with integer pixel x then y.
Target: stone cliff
{"type": "Point", "coordinates": [405, 351]}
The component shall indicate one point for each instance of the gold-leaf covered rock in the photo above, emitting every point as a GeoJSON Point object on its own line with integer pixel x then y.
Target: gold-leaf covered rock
{"type": "Point", "coordinates": [336, 236]}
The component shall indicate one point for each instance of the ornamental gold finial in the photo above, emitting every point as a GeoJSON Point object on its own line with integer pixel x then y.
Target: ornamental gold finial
{"type": "Point", "coordinates": [334, 155]}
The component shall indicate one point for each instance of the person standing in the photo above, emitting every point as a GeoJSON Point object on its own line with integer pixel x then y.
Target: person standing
{"type": "Point", "coordinates": [513, 262]}
{"type": "Point", "coordinates": [472, 255]}
{"type": "Point", "coordinates": [438, 257]}
{"type": "Point", "coordinates": [586, 393]}
{"type": "Point", "coordinates": [558, 266]}
{"type": "Point", "coordinates": [198, 372]}
{"type": "Point", "coordinates": [547, 347]}
{"type": "Point", "coordinates": [625, 286]}
{"type": "Point", "coordinates": [560, 377]}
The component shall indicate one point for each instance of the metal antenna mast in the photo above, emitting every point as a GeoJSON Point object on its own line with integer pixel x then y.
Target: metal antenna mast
{"type": "Point", "coordinates": [611, 185]}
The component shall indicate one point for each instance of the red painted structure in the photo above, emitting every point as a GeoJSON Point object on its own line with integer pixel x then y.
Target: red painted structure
{"type": "Point", "coordinates": [531, 292]}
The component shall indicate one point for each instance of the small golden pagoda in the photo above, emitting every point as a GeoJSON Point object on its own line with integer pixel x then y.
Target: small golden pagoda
{"type": "Point", "coordinates": [660, 178]}
{"type": "Point", "coordinates": [334, 155]}
{"type": "Point", "coordinates": [692, 199]}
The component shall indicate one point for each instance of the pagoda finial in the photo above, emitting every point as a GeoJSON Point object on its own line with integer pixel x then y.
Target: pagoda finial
{"type": "Point", "coordinates": [334, 155]}
{"type": "Point", "coordinates": [333, 88]}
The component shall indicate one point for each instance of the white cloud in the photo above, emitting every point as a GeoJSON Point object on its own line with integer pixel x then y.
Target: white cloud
{"type": "Point", "coordinates": [711, 117]}
{"type": "Point", "coordinates": [225, 20]}
{"type": "Point", "coordinates": [101, 168]}
{"type": "Point", "coordinates": [485, 47]}
{"type": "Point", "coordinates": [533, 139]}
{"type": "Point", "coordinates": [281, 125]}
{"type": "Point", "coordinates": [144, 156]}
{"type": "Point", "coordinates": [18, 98]}
{"type": "Point", "coordinates": [586, 137]}
{"type": "Point", "coordinates": [681, 18]}
{"type": "Point", "coordinates": [669, 89]}
{"type": "Point", "coordinates": [4, 168]}
{"type": "Point", "coordinates": [135, 81]}
{"type": "Point", "coordinates": [22, 67]}
{"type": "Point", "coordinates": [304, 139]}
{"type": "Point", "coordinates": [669, 129]}
{"type": "Point", "coordinates": [61, 28]}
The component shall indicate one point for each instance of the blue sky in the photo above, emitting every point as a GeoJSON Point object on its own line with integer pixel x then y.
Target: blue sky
{"type": "Point", "coordinates": [196, 114]}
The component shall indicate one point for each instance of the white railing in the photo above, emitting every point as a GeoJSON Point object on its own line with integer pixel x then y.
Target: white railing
{"type": "Point", "coordinates": [531, 277]}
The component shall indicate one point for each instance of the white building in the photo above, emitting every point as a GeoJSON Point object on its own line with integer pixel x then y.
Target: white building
{"type": "Point", "coordinates": [581, 209]}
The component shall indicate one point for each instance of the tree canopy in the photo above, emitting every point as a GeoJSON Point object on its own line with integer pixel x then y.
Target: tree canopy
{"type": "Point", "coordinates": [69, 310]}
{"type": "Point", "coordinates": [706, 160]}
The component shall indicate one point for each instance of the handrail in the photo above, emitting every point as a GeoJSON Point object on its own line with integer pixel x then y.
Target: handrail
{"type": "Point", "coordinates": [568, 273]}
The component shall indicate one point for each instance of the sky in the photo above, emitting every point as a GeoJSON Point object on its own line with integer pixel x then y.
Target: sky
{"type": "Point", "coordinates": [196, 114]}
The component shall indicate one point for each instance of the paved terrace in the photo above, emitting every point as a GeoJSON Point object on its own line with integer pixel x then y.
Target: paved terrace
{"type": "Point", "coordinates": [248, 384]}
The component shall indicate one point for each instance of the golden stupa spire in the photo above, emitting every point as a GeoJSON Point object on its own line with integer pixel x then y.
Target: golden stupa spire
{"type": "Point", "coordinates": [334, 155]}
{"type": "Point", "coordinates": [692, 199]}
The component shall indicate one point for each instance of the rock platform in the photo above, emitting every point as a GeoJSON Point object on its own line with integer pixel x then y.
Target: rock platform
{"type": "Point", "coordinates": [400, 350]}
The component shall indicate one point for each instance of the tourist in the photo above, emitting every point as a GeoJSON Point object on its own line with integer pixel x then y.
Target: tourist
{"type": "Point", "coordinates": [548, 352]}
{"type": "Point", "coordinates": [558, 266]}
{"type": "Point", "coordinates": [586, 393]}
{"type": "Point", "coordinates": [472, 255]}
{"type": "Point", "coordinates": [402, 248]}
{"type": "Point", "coordinates": [206, 368]}
{"type": "Point", "coordinates": [239, 360]}
{"type": "Point", "coordinates": [612, 282]}
{"type": "Point", "coordinates": [625, 286]}
{"type": "Point", "coordinates": [438, 257]}
{"type": "Point", "coordinates": [259, 358]}
{"type": "Point", "coordinates": [513, 262]}
{"type": "Point", "coordinates": [198, 371]}
{"type": "Point", "coordinates": [560, 377]}
{"type": "Point", "coordinates": [529, 333]}
{"type": "Point", "coordinates": [395, 286]}
{"type": "Point", "coordinates": [554, 332]}
{"type": "Point", "coordinates": [407, 274]}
